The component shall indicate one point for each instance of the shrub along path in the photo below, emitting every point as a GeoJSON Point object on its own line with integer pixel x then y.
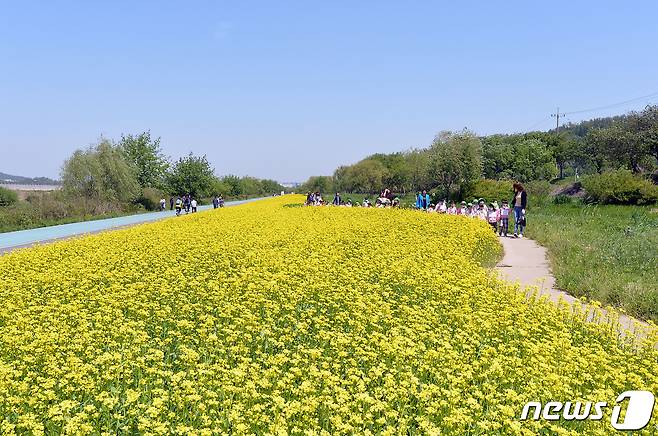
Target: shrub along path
{"type": "Point", "coordinates": [524, 261]}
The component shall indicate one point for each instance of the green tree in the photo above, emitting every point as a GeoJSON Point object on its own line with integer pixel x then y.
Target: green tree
{"type": "Point", "coordinates": [341, 179]}
{"type": "Point", "coordinates": [145, 154]}
{"type": "Point", "coordinates": [268, 186]}
{"type": "Point", "coordinates": [235, 186]}
{"type": "Point", "coordinates": [397, 171]}
{"type": "Point", "coordinates": [561, 146]}
{"type": "Point", "coordinates": [323, 184]}
{"type": "Point", "coordinates": [593, 149]}
{"type": "Point", "coordinates": [455, 162]}
{"type": "Point", "coordinates": [497, 153]}
{"type": "Point", "coordinates": [369, 176]}
{"type": "Point", "coordinates": [620, 144]}
{"type": "Point", "coordinates": [234, 183]}
{"type": "Point", "coordinates": [417, 164]}
{"type": "Point", "coordinates": [532, 160]}
{"type": "Point", "coordinates": [631, 141]}
{"type": "Point", "coordinates": [191, 175]}
{"type": "Point", "coordinates": [219, 187]}
{"type": "Point", "coordinates": [638, 142]}
{"type": "Point", "coordinates": [581, 159]}
{"type": "Point", "coordinates": [251, 186]}
{"type": "Point", "coordinates": [649, 125]}
{"type": "Point", "coordinates": [100, 172]}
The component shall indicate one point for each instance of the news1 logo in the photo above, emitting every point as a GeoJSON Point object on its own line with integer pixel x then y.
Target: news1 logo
{"type": "Point", "coordinates": [638, 410]}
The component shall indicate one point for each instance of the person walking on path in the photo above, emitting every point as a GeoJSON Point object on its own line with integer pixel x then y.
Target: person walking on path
{"type": "Point", "coordinates": [179, 206]}
{"type": "Point", "coordinates": [519, 203]}
{"type": "Point", "coordinates": [504, 218]}
{"type": "Point", "coordinates": [186, 203]}
{"type": "Point", "coordinates": [337, 200]}
{"type": "Point", "coordinates": [481, 210]}
{"type": "Point", "coordinates": [193, 204]}
{"type": "Point", "coordinates": [493, 217]}
{"type": "Point", "coordinates": [423, 200]}
{"type": "Point", "coordinates": [463, 210]}
{"type": "Point", "coordinates": [171, 203]}
{"type": "Point", "coordinates": [215, 202]}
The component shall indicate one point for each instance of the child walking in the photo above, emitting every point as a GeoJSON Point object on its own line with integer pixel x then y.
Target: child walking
{"type": "Point", "coordinates": [504, 218]}
{"type": "Point", "coordinates": [463, 210]}
{"type": "Point", "coordinates": [493, 217]}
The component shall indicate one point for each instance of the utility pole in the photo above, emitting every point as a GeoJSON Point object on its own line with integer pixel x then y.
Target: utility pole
{"type": "Point", "coordinates": [557, 135]}
{"type": "Point", "coordinates": [557, 121]}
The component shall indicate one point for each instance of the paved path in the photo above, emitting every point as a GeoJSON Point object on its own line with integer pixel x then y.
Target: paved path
{"type": "Point", "coordinates": [24, 238]}
{"type": "Point", "coordinates": [526, 262]}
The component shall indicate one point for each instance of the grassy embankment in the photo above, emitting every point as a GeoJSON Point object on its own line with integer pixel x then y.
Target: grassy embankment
{"type": "Point", "coordinates": [43, 211]}
{"type": "Point", "coordinates": [604, 253]}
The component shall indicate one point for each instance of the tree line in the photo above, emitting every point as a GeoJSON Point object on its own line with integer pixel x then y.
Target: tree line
{"type": "Point", "coordinates": [455, 161]}
{"type": "Point", "coordinates": [134, 169]}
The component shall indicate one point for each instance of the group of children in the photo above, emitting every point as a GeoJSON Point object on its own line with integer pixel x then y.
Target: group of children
{"type": "Point", "coordinates": [497, 216]}
{"type": "Point", "coordinates": [385, 200]}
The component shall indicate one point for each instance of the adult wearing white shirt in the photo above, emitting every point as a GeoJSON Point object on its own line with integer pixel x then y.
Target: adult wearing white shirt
{"type": "Point", "coordinates": [193, 205]}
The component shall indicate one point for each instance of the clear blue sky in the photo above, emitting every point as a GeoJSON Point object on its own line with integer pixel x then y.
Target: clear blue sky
{"type": "Point", "coordinates": [285, 90]}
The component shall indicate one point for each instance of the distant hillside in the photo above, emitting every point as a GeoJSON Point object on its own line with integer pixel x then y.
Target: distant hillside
{"type": "Point", "coordinates": [583, 127]}
{"type": "Point", "coordinates": [8, 178]}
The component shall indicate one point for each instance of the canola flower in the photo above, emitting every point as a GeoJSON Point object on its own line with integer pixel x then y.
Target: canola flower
{"type": "Point", "coordinates": [270, 319]}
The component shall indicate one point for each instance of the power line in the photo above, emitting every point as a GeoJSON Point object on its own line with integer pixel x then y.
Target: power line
{"type": "Point", "coordinates": [559, 114]}
{"type": "Point", "coordinates": [537, 124]}
{"type": "Point", "coordinates": [610, 106]}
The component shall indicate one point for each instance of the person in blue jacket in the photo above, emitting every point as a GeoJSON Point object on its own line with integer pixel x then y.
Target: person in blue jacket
{"type": "Point", "coordinates": [423, 200]}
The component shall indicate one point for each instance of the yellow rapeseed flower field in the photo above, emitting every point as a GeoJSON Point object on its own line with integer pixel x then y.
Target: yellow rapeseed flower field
{"type": "Point", "coordinates": [266, 318]}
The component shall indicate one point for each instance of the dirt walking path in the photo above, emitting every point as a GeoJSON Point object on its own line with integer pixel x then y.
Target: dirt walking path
{"type": "Point", "coordinates": [526, 262]}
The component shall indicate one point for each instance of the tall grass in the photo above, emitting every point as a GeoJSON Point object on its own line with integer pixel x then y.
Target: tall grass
{"type": "Point", "coordinates": [605, 253]}
{"type": "Point", "coordinates": [50, 208]}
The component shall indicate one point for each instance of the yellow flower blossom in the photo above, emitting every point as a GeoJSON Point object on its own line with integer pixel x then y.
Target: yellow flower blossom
{"type": "Point", "coordinates": [275, 319]}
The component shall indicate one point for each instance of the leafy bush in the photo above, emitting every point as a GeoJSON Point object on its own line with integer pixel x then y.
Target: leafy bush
{"type": "Point", "coordinates": [150, 199]}
{"type": "Point", "coordinates": [619, 187]}
{"type": "Point", "coordinates": [21, 215]}
{"type": "Point", "coordinates": [7, 197]}
{"type": "Point", "coordinates": [54, 205]}
{"type": "Point", "coordinates": [491, 190]}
